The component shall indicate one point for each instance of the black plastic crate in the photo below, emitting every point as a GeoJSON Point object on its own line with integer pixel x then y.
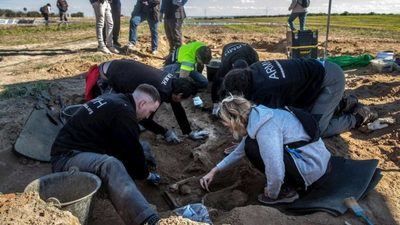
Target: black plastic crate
{"type": "Point", "coordinates": [302, 38]}
{"type": "Point", "coordinates": [304, 52]}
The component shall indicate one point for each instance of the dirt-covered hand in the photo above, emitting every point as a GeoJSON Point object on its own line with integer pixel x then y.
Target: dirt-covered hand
{"type": "Point", "coordinates": [207, 179]}
{"type": "Point", "coordinates": [198, 135]}
{"type": "Point", "coordinates": [171, 137]}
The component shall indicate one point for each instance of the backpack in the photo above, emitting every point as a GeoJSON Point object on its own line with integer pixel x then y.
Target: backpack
{"type": "Point", "coordinates": [304, 3]}
{"type": "Point", "coordinates": [43, 9]}
{"type": "Point", "coordinates": [179, 2]}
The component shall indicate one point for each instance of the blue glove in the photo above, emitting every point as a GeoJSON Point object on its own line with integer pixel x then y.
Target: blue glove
{"type": "Point", "coordinates": [154, 178]}
{"type": "Point", "coordinates": [198, 135]}
{"type": "Point", "coordinates": [172, 137]}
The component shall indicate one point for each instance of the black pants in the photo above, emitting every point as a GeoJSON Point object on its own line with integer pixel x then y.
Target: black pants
{"type": "Point", "coordinates": [216, 91]}
{"type": "Point", "coordinates": [173, 30]}
{"type": "Point", "coordinates": [292, 175]}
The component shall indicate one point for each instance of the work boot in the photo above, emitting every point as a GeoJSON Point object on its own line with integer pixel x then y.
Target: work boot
{"type": "Point", "coordinates": [104, 49]}
{"type": "Point", "coordinates": [113, 50]}
{"type": "Point", "coordinates": [287, 195]}
{"type": "Point", "coordinates": [364, 114]}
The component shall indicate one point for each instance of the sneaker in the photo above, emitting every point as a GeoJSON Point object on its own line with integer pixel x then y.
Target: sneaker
{"type": "Point", "coordinates": [287, 195]}
{"type": "Point", "coordinates": [365, 114]}
{"type": "Point", "coordinates": [113, 50]}
{"type": "Point", "coordinates": [130, 46]}
{"type": "Point", "coordinates": [154, 52]}
{"type": "Point", "coordinates": [104, 49]}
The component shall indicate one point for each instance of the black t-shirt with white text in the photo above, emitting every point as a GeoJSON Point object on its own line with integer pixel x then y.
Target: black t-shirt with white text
{"type": "Point", "coordinates": [293, 82]}
{"type": "Point", "coordinates": [105, 125]}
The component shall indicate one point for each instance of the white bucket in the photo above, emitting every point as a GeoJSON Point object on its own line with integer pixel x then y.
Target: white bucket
{"type": "Point", "coordinates": [381, 65]}
{"type": "Point", "coordinates": [385, 55]}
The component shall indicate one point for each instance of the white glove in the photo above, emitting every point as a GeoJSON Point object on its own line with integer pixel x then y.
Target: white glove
{"type": "Point", "coordinates": [172, 137]}
{"type": "Point", "coordinates": [197, 102]}
{"type": "Point", "coordinates": [381, 123]}
{"type": "Point", "coordinates": [216, 108]}
{"type": "Point", "coordinates": [199, 135]}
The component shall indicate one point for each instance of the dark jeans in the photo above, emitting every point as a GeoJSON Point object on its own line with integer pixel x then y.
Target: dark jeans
{"type": "Point", "coordinates": [46, 18]}
{"type": "Point", "coordinates": [134, 23]}
{"type": "Point", "coordinates": [63, 16]}
{"type": "Point", "coordinates": [302, 20]}
{"type": "Point", "coordinates": [173, 31]}
{"type": "Point", "coordinates": [116, 15]}
{"type": "Point", "coordinates": [216, 91]}
{"type": "Point", "coordinates": [292, 175]}
{"type": "Point", "coordinates": [198, 78]}
{"type": "Point", "coordinates": [124, 194]}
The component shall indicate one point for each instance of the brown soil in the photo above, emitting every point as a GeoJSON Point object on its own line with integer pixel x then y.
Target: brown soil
{"type": "Point", "coordinates": [28, 208]}
{"type": "Point", "coordinates": [242, 184]}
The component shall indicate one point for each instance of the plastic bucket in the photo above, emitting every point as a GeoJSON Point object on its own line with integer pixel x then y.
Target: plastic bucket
{"type": "Point", "coordinates": [212, 69]}
{"type": "Point", "coordinates": [72, 191]}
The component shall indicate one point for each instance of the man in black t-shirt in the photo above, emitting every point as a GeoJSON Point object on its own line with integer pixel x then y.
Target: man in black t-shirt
{"type": "Point", "coordinates": [316, 86]}
{"type": "Point", "coordinates": [102, 137]}
{"type": "Point", "coordinates": [123, 76]}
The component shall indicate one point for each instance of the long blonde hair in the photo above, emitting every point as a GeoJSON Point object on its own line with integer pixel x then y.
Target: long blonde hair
{"type": "Point", "coordinates": [234, 113]}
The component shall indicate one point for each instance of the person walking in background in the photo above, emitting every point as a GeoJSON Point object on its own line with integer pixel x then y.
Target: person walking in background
{"type": "Point", "coordinates": [173, 13]}
{"type": "Point", "coordinates": [145, 10]}
{"type": "Point", "coordinates": [102, 11]}
{"type": "Point", "coordinates": [62, 6]}
{"type": "Point", "coordinates": [299, 9]}
{"type": "Point", "coordinates": [45, 10]}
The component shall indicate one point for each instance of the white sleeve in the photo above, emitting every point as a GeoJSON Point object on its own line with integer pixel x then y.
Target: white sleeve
{"type": "Point", "coordinates": [270, 142]}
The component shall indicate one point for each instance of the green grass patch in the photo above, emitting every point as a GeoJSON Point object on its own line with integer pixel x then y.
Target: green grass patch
{"type": "Point", "coordinates": [252, 28]}
{"type": "Point", "coordinates": [373, 26]}
{"type": "Point", "coordinates": [22, 90]}
{"type": "Point", "coordinates": [16, 35]}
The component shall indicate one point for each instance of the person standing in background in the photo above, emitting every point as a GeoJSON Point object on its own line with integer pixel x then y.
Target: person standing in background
{"type": "Point", "coordinates": [116, 15]}
{"type": "Point", "coordinates": [145, 10]}
{"type": "Point", "coordinates": [173, 13]}
{"type": "Point", "coordinates": [102, 11]}
{"type": "Point", "coordinates": [299, 9]}
{"type": "Point", "coordinates": [62, 6]}
{"type": "Point", "coordinates": [45, 10]}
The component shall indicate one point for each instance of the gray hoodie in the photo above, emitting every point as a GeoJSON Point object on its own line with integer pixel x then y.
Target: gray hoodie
{"type": "Point", "coordinates": [273, 128]}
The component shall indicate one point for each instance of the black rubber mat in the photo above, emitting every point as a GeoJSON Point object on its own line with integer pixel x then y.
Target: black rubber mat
{"type": "Point", "coordinates": [37, 135]}
{"type": "Point", "coordinates": [347, 178]}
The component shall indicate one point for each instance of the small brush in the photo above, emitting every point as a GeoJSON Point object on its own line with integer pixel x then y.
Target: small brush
{"type": "Point", "coordinates": [352, 204]}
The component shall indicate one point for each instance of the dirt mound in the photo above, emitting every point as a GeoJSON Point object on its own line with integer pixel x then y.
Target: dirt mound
{"type": "Point", "coordinates": [178, 220]}
{"type": "Point", "coordinates": [28, 208]}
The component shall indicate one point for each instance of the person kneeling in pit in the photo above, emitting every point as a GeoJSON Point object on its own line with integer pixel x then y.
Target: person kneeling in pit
{"type": "Point", "coordinates": [102, 138]}
{"type": "Point", "coordinates": [124, 76]}
{"type": "Point", "coordinates": [277, 144]}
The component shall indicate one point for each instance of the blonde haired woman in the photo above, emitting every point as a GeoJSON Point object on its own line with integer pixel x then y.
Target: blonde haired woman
{"type": "Point", "coordinates": [266, 134]}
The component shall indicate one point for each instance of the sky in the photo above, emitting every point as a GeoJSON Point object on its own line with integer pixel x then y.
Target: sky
{"type": "Point", "coordinates": [227, 7]}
